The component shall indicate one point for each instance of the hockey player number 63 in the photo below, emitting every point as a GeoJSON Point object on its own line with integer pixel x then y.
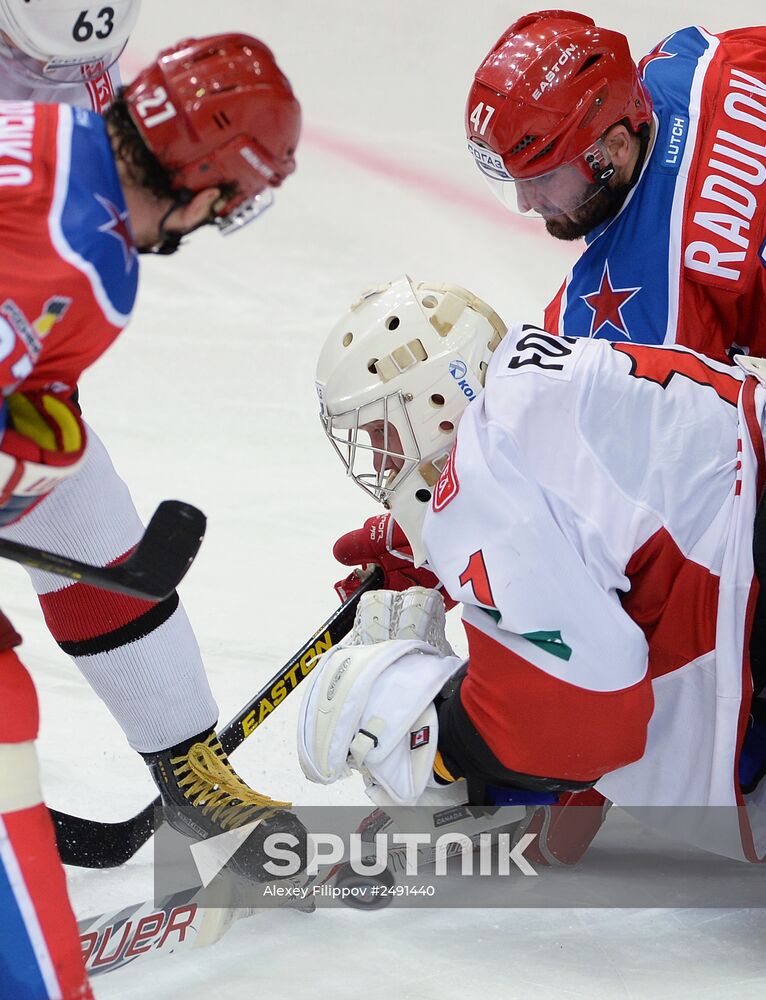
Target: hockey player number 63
{"type": "Point", "coordinates": [159, 99]}
{"type": "Point", "coordinates": [83, 28]}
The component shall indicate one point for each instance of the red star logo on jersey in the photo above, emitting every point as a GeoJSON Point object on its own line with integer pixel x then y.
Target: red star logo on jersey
{"type": "Point", "coordinates": [607, 304]}
{"type": "Point", "coordinates": [117, 226]}
{"type": "Point", "coordinates": [658, 52]}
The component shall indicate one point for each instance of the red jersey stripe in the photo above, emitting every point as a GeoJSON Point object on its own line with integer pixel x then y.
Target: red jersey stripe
{"type": "Point", "coordinates": [674, 601]}
{"type": "Point", "coordinates": [537, 724]}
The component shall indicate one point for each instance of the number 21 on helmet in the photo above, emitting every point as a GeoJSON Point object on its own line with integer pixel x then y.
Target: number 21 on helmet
{"type": "Point", "coordinates": [218, 112]}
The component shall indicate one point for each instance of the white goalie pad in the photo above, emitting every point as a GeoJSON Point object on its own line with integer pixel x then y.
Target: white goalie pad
{"type": "Point", "coordinates": [370, 708]}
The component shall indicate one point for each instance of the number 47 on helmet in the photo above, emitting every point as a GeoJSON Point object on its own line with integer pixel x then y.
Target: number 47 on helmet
{"type": "Point", "coordinates": [539, 107]}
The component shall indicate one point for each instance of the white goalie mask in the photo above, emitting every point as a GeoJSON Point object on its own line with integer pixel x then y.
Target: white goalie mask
{"type": "Point", "coordinates": [393, 378]}
{"type": "Point", "coordinates": [62, 41]}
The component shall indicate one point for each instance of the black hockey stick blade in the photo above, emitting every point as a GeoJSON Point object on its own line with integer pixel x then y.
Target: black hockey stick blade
{"type": "Point", "coordinates": [167, 549]}
{"type": "Point", "coordinates": [152, 571]}
{"type": "Point", "coordinates": [89, 843]}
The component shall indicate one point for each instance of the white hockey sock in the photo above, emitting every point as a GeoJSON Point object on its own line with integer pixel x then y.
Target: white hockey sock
{"type": "Point", "coordinates": [142, 659]}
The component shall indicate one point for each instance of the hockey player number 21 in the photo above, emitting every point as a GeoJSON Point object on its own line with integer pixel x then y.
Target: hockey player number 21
{"type": "Point", "coordinates": [158, 99]}
{"type": "Point", "coordinates": [475, 573]}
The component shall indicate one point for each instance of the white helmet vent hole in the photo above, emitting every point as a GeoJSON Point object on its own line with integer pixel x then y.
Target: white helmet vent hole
{"type": "Point", "coordinates": [392, 322]}
{"type": "Point", "coordinates": [436, 400]}
{"type": "Point", "coordinates": [347, 339]}
{"type": "Point", "coordinates": [423, 495]}
{"type": "Point", "coordinates": [371, 366]}
{"type": "Point", "coordinates": [446, 427]}
{"type": "Point", "coordinates": [430, 302]}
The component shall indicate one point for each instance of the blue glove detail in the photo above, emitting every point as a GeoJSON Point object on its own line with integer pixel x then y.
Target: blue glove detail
{"type": "Point", "coordinates": [518, 797]}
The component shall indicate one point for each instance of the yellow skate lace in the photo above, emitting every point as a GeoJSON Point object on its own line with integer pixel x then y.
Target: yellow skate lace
{"type": "Point", "coordinates": [210, 782]}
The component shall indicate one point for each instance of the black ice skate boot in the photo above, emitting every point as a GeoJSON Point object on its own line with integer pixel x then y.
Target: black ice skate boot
{"type": "Point", "coordinates": [203, 796]}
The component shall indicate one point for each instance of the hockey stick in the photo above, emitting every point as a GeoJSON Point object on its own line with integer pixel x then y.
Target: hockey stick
{"type": "Point", "coordinates": [186, 919]}
{"type": "Point", "coordinates": [89, 843]}
{"type": "Point", "coordinates": [196, 917]}
{"type": "Point", "coordinates": [152, 571]}
{"type": "Point", "coordinates": [189, 918]}
{"type": "Point", "coordinates": [113, 940]}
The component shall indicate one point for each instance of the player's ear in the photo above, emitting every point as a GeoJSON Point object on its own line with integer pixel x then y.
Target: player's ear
{"type": "Point", "coordinates": [619, 143]}
{"type": "Point", "coordinates": [187, 217]}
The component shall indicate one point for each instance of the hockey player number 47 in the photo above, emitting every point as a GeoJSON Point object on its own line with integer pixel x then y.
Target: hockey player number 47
{"type": "Point", "coordinates": [476, 117]}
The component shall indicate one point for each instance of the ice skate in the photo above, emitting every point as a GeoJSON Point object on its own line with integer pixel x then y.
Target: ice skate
{"type": "Point", "coordinates": [203, 796]}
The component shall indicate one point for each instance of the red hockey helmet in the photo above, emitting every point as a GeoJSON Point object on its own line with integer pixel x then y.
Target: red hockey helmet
{"type": "Point", "coordinates": [542, 98]}
{"type": "Point", "coordinates": [215, 111]}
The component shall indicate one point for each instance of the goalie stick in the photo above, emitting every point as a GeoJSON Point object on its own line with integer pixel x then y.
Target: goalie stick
{"type": "Point", "coordinates": [152, 571]}
{"type": "Point", "coordinates": [89, 843]}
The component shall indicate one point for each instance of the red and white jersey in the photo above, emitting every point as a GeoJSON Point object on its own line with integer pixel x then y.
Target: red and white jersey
{"type": "Point", "coordinates": [69, 276]}
{"type": "Point", "coordinates": [596, 520]}
{"type": "Point", "coordinates": [684, 261]}
{"type": "Point", "coordinates": [95, 95]}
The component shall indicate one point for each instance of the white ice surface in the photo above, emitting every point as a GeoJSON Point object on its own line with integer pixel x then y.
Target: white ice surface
{"type": "Point", "coordinates": [209, 397]}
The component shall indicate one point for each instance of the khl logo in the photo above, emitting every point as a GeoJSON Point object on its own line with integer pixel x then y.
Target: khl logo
{"type": "Point", "coordinates": [458, 370]}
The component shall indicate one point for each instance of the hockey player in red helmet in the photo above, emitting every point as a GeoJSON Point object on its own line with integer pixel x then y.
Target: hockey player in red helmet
{"type": "Point", "coordinates": [200, 137]}
{"type": "Point", "coordinates": [210, 128]}
{"type": "Point", "coordinates": [659, 167]}
{"type": "Point", "coordinates": [559, 121]}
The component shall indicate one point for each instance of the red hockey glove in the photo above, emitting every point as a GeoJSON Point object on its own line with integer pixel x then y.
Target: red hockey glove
{"type": "Point", "coordinates": [43, 443]}
{"type": "Point", "coordinates": [381, 541]}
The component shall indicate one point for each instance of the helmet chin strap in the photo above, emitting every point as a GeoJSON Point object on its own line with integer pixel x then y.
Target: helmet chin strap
{"type": "Point", "coordinates": [171, 241]}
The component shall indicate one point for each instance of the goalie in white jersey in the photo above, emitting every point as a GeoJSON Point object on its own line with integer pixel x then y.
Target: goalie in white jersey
{"type": "Point", "coordinates": [594, 513]}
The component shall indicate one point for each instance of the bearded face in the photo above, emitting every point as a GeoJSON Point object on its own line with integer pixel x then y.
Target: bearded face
{"type": "Point", "coordinates": [602, 207]}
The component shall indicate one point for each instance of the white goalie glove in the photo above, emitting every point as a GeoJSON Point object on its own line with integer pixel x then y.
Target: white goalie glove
{"type": "Point", "coordinates": [369, 703]}
{"type": "Point", "coordinates": [417, 613]}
